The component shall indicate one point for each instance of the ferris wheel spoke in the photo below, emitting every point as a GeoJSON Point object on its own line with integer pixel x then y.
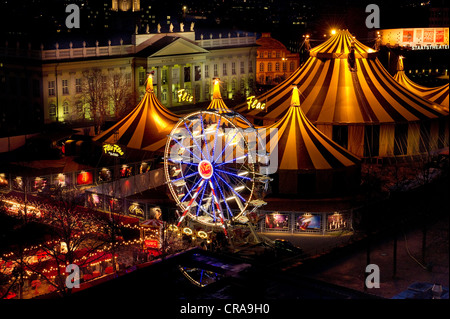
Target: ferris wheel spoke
{"type": "Point", "coordinates": [226, 146]}
{"type": "Point", "coordinates": [234, 175]}
{"type": "Point", "coordinates": [184, 177]}
{"type": "Point", "coordinates": [224, 198]}
{"type": "Point", "coordinates": [215, 138]}
{"type": "Point", "coordinates": [199, 204]}
{"type": "Point", "coordinates": [232, 160]}
{"type": "Point", "coordinates": [189, 190]}
{"type": "Point", "coordinates": [196, 144]}
{"type": "Point", "coordinates": [204, 137]}
{"type": "Point", "coordinates": [218, 207]}
{"type": "Point", "coordinates": [182, 162]}
{"type": "Point", "coordinates": [185, 148]}
{"type": "Point", "coordinates": [231, 188]}
{"type": "Point", "coordinates": [188, 207]}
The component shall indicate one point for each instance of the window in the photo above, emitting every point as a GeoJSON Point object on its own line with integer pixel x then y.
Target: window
{"type": "Point", "coordinates": [250, 67]}
{"type": "Point", "coordinates": [233, 85]}
{"type": "Point", "coordinates": [224, 70]}
{"type": "Point", "coordinates": [278, 54]}
{"type": "Point", "coordinates": [164, 76]}
{"type": "Point", "coordinates": [52, 110]}
{"type": "Point", "coordinates": [284, 66]}
{"type": "Point", "coordinates": [242, 67]}
{"type": "Point", "coordinates": [78, 87]}
{"type": "Point", "coordinates": [79, 107]}
{"type": "Point", "coordinates": [65, 87]}
{"type": "Point", "coordinates": [206, 71]}
{"type": "Point", "coordinates": [291, 66]}
{"type": "Point", "coordinates": [207, 91]}
{"type": "Point", "coordinates": [233, 68]}
{"type": "Point", "coordinates": [242, 85]}
{"type": "Point", "coordinates": [269, 67]}
{"type": "Point", "coordinates": [269, 55]}
{"type": "Point", "coordinates": [277, 66]}
{"type": "Point", "coordinates": [51, 88]}
{"type": "Point", "coordinates": [66, 107]}
{"type": "Point", "coordinates": [141, 77]}
{"type": "Point", "coordinates": [261, 67]}
{"type": "Point", "coordinates": [216, 71]}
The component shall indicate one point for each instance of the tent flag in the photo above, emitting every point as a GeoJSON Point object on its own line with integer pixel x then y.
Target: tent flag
{"type": "Point", "coordinates": [144, 128]}
{"type": "Point", "coordinates": [437, 95]}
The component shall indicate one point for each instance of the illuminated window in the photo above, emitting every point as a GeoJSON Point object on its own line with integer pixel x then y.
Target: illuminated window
{"type": "Point", "coordinates": [277, 66]}
{"type": "Point", "coordinates": [52, 110]}
{"type": "Point", "coordinates": [51, 88]}
{"type": "Point", "coordinates": [66, 107]}
{"type": "Point", "coordinates": [261, 67]}
{"type": "Point", "coordinates": [65, 87]}
{"type": "Point", "coordinates": [78, 87]}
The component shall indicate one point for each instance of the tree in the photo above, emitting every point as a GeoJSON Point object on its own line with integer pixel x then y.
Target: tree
{"type": "Point", "coordinates": [120, 94]}
{"type": "Point", "coordinates": [94, 94]}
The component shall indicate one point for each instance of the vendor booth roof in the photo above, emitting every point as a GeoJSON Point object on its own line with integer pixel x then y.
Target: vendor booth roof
{"type": "Point", "coordinates": [343, 82]}
{"type": "Point", "coordinates": [437, 95]}
{"type": "Point", "coordinates": [145, 128]}
{"type": "Point", "coordinates": [301, 146]}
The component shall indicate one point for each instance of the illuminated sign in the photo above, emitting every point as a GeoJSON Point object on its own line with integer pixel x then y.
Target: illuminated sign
{"type": "Point", "coordinates": [84, 178]}
{"type": "Point", "coordinates": [184, 96]}
{"type": "Point", "coordinates": [416, 38]}
{"type": "Point", "coordinates": [136, 210]}
{"type": "Point", "coordinates": [113, 150]}
{"type": "Point", "coordinates": [205, 169]}
{"type": "Point", "coordinates": [253, 103]}
{"type": "Point", "coordinates": [151, 243]}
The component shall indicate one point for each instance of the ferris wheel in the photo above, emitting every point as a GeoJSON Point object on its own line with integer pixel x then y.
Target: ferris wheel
{"type": "Point", "coordinates": [210, 167]}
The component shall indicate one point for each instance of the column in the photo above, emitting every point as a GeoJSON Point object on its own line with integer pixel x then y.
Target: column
{"type": "Point", "coordinates": [169, 89]}
{"type": "Point", "coordinates": [158, 83]}
{"type": "Point", "coordinates": [202, 82]}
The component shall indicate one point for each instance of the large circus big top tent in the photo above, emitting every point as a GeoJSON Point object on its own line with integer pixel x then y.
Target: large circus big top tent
{"type": "Point", "coordinates": [145, 128]}
{"type": "Point", "coordinates": [308, 161]}
{"type": "Point", "coordinates": [347, 94]}
{"type": "Point", "coordinates": [438, 94]}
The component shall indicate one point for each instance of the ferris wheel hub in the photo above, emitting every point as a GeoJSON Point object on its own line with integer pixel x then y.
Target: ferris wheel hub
{"type": "Point", "coordinates": [205, 169]}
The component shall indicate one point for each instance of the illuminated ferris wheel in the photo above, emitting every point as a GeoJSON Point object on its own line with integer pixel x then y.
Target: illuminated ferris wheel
{"type": "Point", "coordinates": [210, 167]}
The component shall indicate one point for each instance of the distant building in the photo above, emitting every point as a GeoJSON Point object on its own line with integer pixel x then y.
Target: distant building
{"type": "Point", "coordinates": [183, 69]}
{"type": "Point", "coordinates": [274, 62]}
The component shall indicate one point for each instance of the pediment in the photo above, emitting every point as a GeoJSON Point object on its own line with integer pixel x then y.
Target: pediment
{"type": "Point", "coordinates": [179, 46]}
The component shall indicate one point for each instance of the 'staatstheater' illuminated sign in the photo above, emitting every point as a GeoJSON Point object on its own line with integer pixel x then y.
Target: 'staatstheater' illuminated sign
{"type": "Point", "coordinates": [113, 150]}
{"type": "Point", "coordinates": [416, 38]}
{"type": "Point", "coordinates": [253, 103]}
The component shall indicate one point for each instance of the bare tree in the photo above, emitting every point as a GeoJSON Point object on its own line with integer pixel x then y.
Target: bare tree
{"type": "Point", "coordinates": [95, 95]}
{"type": "Point", "coordinates": [120, 94]}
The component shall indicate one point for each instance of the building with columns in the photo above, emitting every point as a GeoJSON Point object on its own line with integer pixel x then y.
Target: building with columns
{"type": "Point", "coordinates": [183, 64]}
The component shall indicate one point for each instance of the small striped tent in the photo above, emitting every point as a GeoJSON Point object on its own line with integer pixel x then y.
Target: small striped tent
{"type": "Point", "coordinates": [310, 163]}
{"type": "Point", "coordinates": [145, 128]}
{"type": "Point", "coordinates": [217, 104]}
{"type": "Point", "coordinates": [437, 95]}
{"type": "Point", "coordinates": [347, 93]}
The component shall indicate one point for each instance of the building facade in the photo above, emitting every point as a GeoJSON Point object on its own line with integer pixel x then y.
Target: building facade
{"type": "Point", "coordinates": [274, 62]}
{"type": "Point", "coordinates": [183, 69]}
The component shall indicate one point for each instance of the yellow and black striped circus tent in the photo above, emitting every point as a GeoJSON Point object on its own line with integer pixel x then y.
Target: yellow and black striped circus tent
{"type": "Point", "coordinates": [308, 161]}
{"type": "Point", "coordinates": [217, 104]}
{"type": "Point", "coordinates": [437, 95]}
{"type": "Point", "coordinates": [348, 95]}
{"type": "Point", "coordinates": [145, 128]}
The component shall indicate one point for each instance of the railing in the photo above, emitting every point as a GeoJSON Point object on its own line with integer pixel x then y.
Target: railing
{"type": "Point", "coordinates": [113, 50]}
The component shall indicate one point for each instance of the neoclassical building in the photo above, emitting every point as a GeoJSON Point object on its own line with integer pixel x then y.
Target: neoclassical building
{"type": "Point", "coordinates": [183, 63]}
{"type": "Point", "coordinates": [275, 63]}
